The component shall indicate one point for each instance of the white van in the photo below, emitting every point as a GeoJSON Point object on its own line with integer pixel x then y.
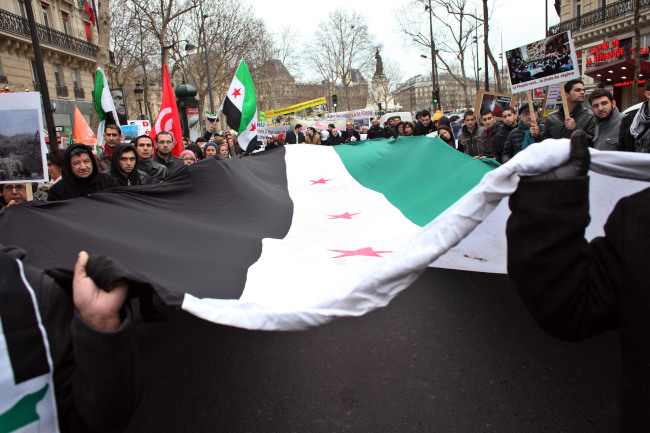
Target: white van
{"type": "Point", "coordinates": [406, 116]}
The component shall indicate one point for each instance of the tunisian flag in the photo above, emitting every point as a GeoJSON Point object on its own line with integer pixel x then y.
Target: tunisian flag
{"type": "Point", "coordinates": [168, 119]}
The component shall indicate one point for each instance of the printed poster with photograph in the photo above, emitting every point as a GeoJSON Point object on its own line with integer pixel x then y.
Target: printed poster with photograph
{"type": "Point", "coordinates": [497, 102]}
{"type": "Point", "coordinates": [549, 61]}
{"type": "Point", "coordinates": [22, 145]}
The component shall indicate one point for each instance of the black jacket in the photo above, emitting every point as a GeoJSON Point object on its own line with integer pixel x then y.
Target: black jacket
{"type": "Point", "coordinates": [70, 186]}
{"type": "Point", "coordinates": [515, 141]}
{"type": "Point", "coordinates": [155, 171]}
{"type": "Point", "coordinates": [334, 141]}
{"type": "Point", "coordinates": [420, 129]}
{"type": "Point", "coordinates": [347, 135]}
{"type": "Point", "coordinates": [471, 142]}
{"type": "Point", "coordinates": [375, 132]}
{"type": "Point", "coordinates": [585, 120]}
{"type": "Point", "coordinates": [173, 164]}
{"type": "Point", "coordinates": [136, 177]}
{"type": "Point", "coordinates": [493, 140]}
{"type": "Point", "coordinates": [626, 140]}
{"type": "Point", "coordinates": [290, 138]}
{"type": "Point", "coordinates": [575, 289]}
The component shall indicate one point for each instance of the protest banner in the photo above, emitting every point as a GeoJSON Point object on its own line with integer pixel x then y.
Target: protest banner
{"type": "Point", "coordinates": [296, 107]}
{"type": "Point", "coordinates": [548, 61]}
{"type": "Point", "coordinates": [497, 102]}
{"type": "Point", "coordinates": [144, 126]}
{"type": "Point", "coordinates": [365, 113]}
{"type": "Point", "coordinates": [22, 144]}
{"type": "Point", "coordinates": [553, 100]}
{"type": "Point", "coordinates": [318, 124]}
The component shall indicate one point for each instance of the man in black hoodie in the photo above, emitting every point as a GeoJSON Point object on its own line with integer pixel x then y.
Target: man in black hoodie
{"type": "Point", "coordinates": [82, 176]}
{"type": "Point", "coordinates": [124, 166]}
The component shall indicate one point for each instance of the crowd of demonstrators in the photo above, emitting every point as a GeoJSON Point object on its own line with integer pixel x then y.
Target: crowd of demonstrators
{"type": "Point", "coordinates": [559, 125]}
{"type": "Point", "coordinates": [547, 65]}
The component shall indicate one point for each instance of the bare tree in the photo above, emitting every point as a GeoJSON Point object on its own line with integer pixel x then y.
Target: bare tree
{"type": "Point", "coordinates": [452, 38]}
{"type": "Point", "coordinates": [342, 46]}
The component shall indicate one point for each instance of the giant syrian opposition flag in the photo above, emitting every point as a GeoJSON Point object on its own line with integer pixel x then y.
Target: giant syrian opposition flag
{"type": "Point", "coordinates": [296, 236]}
{"type": "Point", "coordinates": [240, 107]}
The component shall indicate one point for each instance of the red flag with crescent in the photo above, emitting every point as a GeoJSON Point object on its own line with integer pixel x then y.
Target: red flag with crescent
{"type": "Point", "coordinates": [168, 119]}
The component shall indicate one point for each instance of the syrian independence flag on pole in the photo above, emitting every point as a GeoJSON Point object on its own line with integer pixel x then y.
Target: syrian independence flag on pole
{"type": "Point", "coordinates": [104, 106]}
{"type": "Point", "coordinates": [309, 233]}
{"type": "Point", "coordinates": [168, 118]}
{"type": "Point", "coordinates": [240, 107]}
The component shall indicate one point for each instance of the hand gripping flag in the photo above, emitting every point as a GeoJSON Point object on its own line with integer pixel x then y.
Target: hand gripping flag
{"type": "Point", "coordinates": [104, 105]}
{"type": "Point", "coordinates": [82, 132]}
{"type": "Point", "coordinates": [240, 107]}
{"type": "Point", "coordinates": [168, 119]}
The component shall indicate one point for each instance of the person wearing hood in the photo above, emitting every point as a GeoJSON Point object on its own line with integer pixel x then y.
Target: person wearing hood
{"type": "Point", "coordinates": [144, 148]}
{"type": "Point", "coordinates": [124, 166]}
{"type": "Point", "coordinates": [524, 135]}
{"type": "Point", "coordinates": [608, 119]}
{"type": "Point", "coordinates": [81, 175]}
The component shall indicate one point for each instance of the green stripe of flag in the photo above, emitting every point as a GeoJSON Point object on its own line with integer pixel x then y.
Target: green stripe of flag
{"type": "Point", "coordinates": [420, 187]}
{"type": "Point", "coordinates": [250, 102]}
{"type": "Point", "coordinates": [23, 412]}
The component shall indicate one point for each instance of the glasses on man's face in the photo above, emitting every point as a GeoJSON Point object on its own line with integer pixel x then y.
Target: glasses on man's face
{"type": "Point", "coordinates": [165, 142]}
{"type": "Point", "coordinates": [16, 187]}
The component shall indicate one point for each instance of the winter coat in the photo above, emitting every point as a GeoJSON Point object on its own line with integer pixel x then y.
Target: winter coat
{"type": "Point", "coordinates": [584, 118]}
{"type": "Point", "coordinates": [375, 132]}
{"type": "Point", "coordinates": [515, 141]}
{"type": "Point", "coordinates": [156, 172]}
{"type": "Point", "coordinates": [136, 177]}
{"type": "Point", "coordinates": [606, 133]}
{"type": "Point", "coordinates": [471, 142]}
{"type": "Point", "coordinates": [493, 140]}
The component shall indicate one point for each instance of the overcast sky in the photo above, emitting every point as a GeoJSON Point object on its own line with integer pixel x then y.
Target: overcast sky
{"type": "Point", "coordinates": [519, 25]}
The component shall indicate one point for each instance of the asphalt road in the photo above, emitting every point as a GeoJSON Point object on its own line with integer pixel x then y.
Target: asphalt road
{"type": "Point", "coordinates": [456, 352]}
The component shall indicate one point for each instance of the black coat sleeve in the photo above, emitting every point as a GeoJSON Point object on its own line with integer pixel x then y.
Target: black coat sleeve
{"type": "Point", "coordinates": [566, 283]}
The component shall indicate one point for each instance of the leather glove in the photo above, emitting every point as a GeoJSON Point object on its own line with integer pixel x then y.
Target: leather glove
{"type": "Point", "coordinates": [579, 159]}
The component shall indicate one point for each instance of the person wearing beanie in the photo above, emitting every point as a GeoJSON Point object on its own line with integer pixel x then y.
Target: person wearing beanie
{"type": "Point", "coordinates": [524, 135]}
{"type": "Point", "coordinates": [436, 117]}
{"type": "Point", "coordinates": [211, 149]}
{"type": "Point", "coordinates": [188, 157]}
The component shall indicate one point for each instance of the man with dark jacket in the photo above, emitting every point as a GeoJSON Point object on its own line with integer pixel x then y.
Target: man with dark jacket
{"type": "Point", "coordinates": [112, 137]}
{"type": "Point", "coordinates": [144, 148]}
{"type": "Point", "coordinates": [82, 176]}
{"type": "Point", "coordinates": [559, 126]}
{"type": "Point", "coordinates": [494, 136]}
{"type": "Point", "coordinates": [164, 146]}
{"type": "Point", "coordinates": [124, 166]}
{"type": "Point", "coordinates": [575, 289]}
{"type": "Point", "coordinates": [92, 345]}
{"type": "Point", "coordinates": [296, 136]}
{"type": "Point", "coordinates": [469, 139]}
{"type": "Point", "coordinates": [510, 119]}
{"type": "Point", "coordinates": [522, 136]}
{"type": "Point", "coordinates": [350, 134]}
{"type": "Point", "coordinates": [425, 125]}
{"type": "Point", "coordinates": [608, 119]}
{"type": "Point", "coordinates": [375, 130]}
{"type": "Point", "coordinates": [633, 134]}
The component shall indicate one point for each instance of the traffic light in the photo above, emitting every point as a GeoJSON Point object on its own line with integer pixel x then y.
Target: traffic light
{"type": "Point", "coordinates": [436, 95]}
{"type": "Point", "coordinates": [335, 101]}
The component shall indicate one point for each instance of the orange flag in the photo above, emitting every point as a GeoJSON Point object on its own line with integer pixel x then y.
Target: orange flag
{"type": "Point", "coordinates": [82, 132]}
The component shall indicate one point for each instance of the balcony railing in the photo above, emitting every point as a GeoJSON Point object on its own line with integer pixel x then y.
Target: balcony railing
{"type": "Point", "coordinates": [3, 79]}
{"type": "Point", "coordinates": [19, 25]}
{"type": "Point", "coordinates": [79, 93]}
{"type": "Point", "coordinates": [61, 91]}
{"type": "Point", "coordinates": [599, 16]}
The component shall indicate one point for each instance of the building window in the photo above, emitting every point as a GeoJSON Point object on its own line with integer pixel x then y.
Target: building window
{"type": "Point", "coordinates": [44, 8]}
{"type": "Point", "coordinates": [577, 8]}
{"type": "Point", "coordinates": [75, 79]}
{"type": "Point", "coordinates": [21, 7]}
{"type": "Point", "coordinates": [65, 19]}
{"type": "Point", "coordinates": [58, 75]}
{"type": "Point", "coordinates": [89, 33]}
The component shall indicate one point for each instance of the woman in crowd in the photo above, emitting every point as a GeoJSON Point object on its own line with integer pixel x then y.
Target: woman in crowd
{"type": "Point", "coordinates": [444, 132]}
{"type": "Point", "coordinates": [400, 128]}
{"type": "Point", "coordinates": [211, 149]}
{"type": "Point", "coordinates": [188, 157]}
{"type": "Point", "coordinates": [311, 137]}
{"type": "Point", "coordinates": [223, 151]}
{"type": "Point", "coordinates": [408, 129]}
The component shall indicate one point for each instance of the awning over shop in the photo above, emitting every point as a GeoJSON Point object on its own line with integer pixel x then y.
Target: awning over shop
{"type": "Point", "coordinates": [618, 71]}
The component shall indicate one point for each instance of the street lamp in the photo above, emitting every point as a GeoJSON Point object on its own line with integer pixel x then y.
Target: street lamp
{"type": "Point", "coordinates": [475, 41]}
{"type": "Point", "coordinates": [188, 47]}
{"type": "Point", "coordinates": [207, 61]}
{"type": "Point", "coordinates": [434, 67]}
{"type": "Point", "coordinates": [138, 95]}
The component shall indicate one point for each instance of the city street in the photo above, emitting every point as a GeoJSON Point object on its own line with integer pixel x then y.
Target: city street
{"type": "Point", "coordinates": [456, 352]}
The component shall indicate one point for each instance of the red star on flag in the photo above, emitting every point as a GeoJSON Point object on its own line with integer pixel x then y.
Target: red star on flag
{"type": "Point", "coordinates": [321, 180]}
{"type": "Point", "coordinates": [253, 127]}
{"type": "Point", "coordinates": [368, 251]}
{"type": "Point", "coordinates": [236, 93]}
{"type": "Point", "coordinates": [345, 216]}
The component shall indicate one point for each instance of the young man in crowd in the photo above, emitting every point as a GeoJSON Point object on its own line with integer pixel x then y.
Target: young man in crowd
{"type": "Point", "coordinates": [425, 125]}
{"type": "Point", "coordinates": [82, 176]}
{"type": "Point", "coordinates": [494, 136]}
{"type": "Point", "coordinates": [296, 136]}
{"type": "Point", "coordinates": [124, 166]}
{"type": "Point", "coordinates": [608, 119]}
{"type": "Point", "coordinates": [558, 125]}
{"type": "Point", "coordinates": [112, 137]}
{"type": "Point", "coordinates": [144, 148]}
{"type": "Point", "coordinates": [375, 130]}
{"type": "Point", "coordinates": [510, 119]}
{"type": "Point", "coordinates": [164, 146]}
{"type": "Point", "coordinates": [524, 135]}
{"type": "Point", "coordinates": [469, 139]}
